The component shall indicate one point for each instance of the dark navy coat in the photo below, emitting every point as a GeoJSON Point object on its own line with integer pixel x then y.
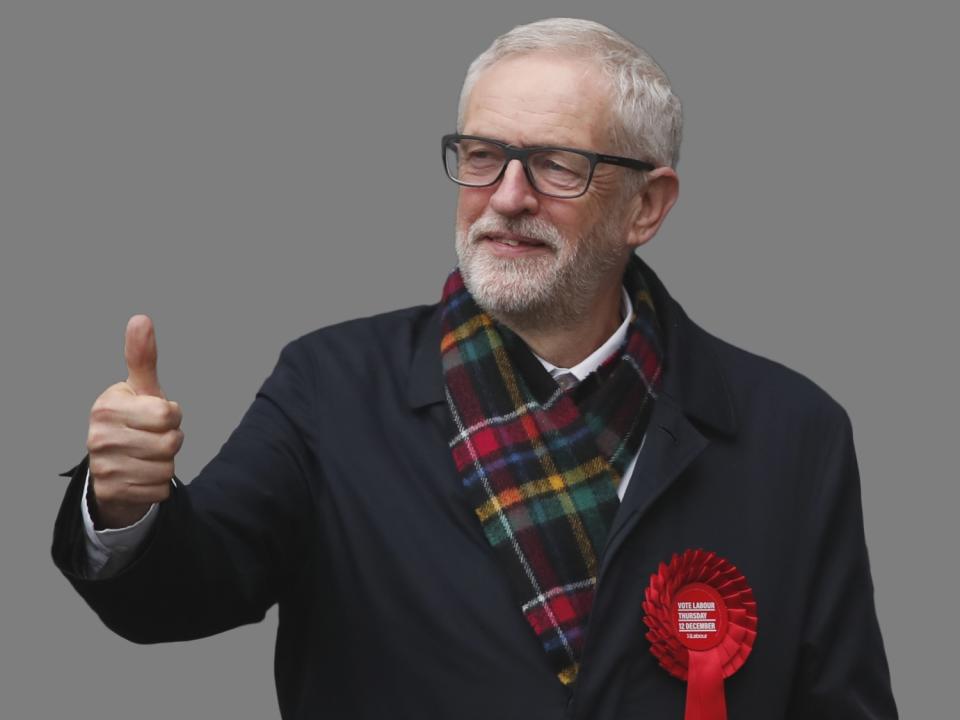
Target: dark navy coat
{"type": "Point", "coordinates": [337, 498]}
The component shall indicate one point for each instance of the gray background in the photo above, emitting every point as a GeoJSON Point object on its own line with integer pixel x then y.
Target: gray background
{"type": "Point", "coordinates": [246, 172]}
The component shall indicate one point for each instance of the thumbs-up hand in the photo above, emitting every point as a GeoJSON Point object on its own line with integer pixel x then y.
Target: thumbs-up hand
{"type": "Point", "coordinates": [134, 435]}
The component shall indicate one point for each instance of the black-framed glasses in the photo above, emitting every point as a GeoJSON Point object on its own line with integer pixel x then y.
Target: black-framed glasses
{"type": "Point", "coordinates": [560, 172]}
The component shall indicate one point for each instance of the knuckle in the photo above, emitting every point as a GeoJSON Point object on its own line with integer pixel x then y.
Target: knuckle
{"type": "Point", "coordinates": [101, 410]}
{"type": "Point", "coordinates": [99, 438]}
{"type": "Point", "coordinates": [94, 439]}
{"type": "Point", "coordinates": [172, 442]}
{"type": "Point", "coordinates": [100, 468]}
{"type": "Point", "coordinates": [168, 416]}
{"type": "Point", "coordinates": [168, 445]}
{"type": "Point", "coordinates": [153, 412]}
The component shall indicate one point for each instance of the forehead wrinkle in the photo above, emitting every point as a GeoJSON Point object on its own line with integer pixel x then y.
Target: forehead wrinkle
{"type": "Point", "coordinates": [552, 128]}
{"type": "Point", "coordinates": [513, 103]}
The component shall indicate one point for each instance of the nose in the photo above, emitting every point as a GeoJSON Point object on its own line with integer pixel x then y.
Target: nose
{"type": "Point", "coordinates": [514, 195]}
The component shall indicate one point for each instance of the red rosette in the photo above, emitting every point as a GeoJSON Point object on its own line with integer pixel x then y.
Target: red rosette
{"type": "Point", "coordinates": [702, 620]}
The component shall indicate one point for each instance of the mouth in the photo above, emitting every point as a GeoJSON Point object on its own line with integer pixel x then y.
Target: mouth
{"type": "Point", "coordinates": [510, 245]}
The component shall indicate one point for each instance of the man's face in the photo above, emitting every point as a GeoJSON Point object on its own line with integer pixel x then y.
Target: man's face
{"type": "Point", "coordinates": [570, 250]}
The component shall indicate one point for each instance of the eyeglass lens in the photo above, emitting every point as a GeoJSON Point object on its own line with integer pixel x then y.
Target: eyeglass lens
{"type": "Point", "coordinates": [478, 163]}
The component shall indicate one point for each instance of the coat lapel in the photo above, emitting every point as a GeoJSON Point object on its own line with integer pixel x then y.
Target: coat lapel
{"type": "Point", "coordinates": [694, 405]}
{"type": "Point", "coordinates": [671, 444]}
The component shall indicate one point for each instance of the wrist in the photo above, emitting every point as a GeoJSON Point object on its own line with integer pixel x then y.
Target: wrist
{"type": "Point", "coordinates": [112, 516]}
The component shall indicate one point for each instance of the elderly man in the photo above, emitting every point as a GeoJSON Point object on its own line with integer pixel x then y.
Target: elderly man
{"type": "Point", "coordinates": [549, 495]}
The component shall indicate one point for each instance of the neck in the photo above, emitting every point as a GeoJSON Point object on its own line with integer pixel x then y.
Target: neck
{"type": "Point", "coordinates": [566, 344]}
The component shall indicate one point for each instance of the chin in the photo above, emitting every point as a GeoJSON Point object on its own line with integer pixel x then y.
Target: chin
{"type": "Point", "coordinates": [501, 285]}
{"type": "Point", "coordinates": [521, 297]}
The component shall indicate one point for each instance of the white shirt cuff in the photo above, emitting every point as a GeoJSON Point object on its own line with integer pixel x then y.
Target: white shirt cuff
{"type": "Point", "coordinates": [112, 549]}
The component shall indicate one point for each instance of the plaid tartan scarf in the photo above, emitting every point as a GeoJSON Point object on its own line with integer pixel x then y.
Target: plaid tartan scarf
{"type": "Point", "coordinates": [541, 465]}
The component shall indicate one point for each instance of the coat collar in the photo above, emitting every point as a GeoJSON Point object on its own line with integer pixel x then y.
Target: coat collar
{"type": "Point", "coordinates": [692, 377]}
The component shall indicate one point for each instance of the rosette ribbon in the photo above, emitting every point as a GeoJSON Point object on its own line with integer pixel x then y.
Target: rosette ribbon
{"type": "Point", "coordinates": [702, 621]}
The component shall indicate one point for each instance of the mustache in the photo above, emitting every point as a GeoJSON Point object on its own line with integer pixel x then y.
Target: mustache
{"type": "Point", "coordinates": [531, 227]}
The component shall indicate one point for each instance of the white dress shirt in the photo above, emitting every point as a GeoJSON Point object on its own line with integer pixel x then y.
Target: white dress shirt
{"type": "Point", "coordinates": [109, 551]}
{"type": "Point", "coordinates": [595, 360]}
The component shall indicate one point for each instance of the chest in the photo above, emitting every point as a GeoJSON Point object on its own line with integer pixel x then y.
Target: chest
{"type": "Point", "coordinates": [412, 578]}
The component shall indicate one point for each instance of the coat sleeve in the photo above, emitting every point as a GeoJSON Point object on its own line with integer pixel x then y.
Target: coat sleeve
{"type": "Point", "coordinates": [843, 672]}
{"type": "Point", "coordinates": [229, 544]}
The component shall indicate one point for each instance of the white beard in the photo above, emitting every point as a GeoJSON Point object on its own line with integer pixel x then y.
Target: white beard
{"type": "Point", "coordinates": [555, 289]}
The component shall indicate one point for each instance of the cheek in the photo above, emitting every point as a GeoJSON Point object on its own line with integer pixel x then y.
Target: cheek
{"type": "Point", "coordinates": [596, 211]}
{"type": "Point", "coordinates": [471, 204]}
{"type": "Point", "coordinates": [573, 222]}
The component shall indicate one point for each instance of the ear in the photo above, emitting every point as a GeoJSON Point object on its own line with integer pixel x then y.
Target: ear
{"type": "Point", "coordinates": [649, 207]}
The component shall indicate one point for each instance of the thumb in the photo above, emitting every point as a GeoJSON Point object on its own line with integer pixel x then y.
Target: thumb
{"type": "Point", "coordinates": [140, 352]}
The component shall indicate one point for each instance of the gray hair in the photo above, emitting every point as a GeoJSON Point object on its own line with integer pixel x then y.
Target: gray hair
{"type": "Point", "coordinates": [648, 122]}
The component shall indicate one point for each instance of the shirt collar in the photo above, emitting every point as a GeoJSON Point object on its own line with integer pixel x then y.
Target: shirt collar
{"type": "Point", "coordinates": [596, 358]}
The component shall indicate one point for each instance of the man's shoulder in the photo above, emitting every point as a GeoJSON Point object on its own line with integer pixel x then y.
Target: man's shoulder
{"type": "Point", "coordinates": [757, 382]}
{"type": "Point", "coordinates": [385, 328]}
{"type": "Point", "coordinates": [729, 384]}
{"type": "Point", "coordinates": [368, 344]}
